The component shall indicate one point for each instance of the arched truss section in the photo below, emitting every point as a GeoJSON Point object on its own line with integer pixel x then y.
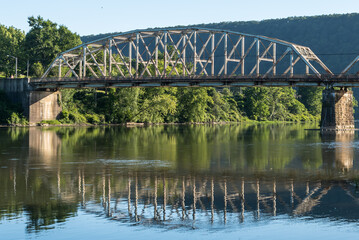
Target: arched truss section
{"type": "Point", "coordinates": [185, 52]}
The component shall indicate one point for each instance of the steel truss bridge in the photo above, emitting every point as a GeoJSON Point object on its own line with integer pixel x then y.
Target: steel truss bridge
{"type": "Point", "coordinates": [182, 57]}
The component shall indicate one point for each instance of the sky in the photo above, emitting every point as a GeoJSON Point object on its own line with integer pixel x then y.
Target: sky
{"type": "Point", "coordinates": [103, 16]}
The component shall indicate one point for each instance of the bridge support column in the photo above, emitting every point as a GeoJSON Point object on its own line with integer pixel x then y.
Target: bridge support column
{"type": "Point", "coordinates": [337, 110]}
{"type": "Point", "coordinates": [44, 105]}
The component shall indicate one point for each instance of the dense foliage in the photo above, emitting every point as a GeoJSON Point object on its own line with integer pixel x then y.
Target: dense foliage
{"type": "Point", "coordinates": [45, 40]}
{"type": "Point", "coordinates": [168, 105]}
{"type": "Point", "coordinates": [38, 47]}
{"type": "Point", "coordinates": [11, 44]}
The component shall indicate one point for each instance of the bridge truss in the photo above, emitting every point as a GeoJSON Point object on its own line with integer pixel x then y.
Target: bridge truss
{"type": "Point", "coordinates": [184, 54]}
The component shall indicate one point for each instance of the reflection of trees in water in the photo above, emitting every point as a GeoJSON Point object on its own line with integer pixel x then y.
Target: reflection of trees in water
{"type": "Point", "coordinates": [186, 147]}
{"type": "Point", "coordinates": [33, 194]}
{"type": "Point", "coordinates": [16, 133]}
{"type": "Point", "coordinates": [42, 216]}
{"type": "Point", "coordinates": [275, 146]}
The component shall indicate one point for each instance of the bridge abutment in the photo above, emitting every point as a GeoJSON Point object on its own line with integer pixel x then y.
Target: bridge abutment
{"type": "Point", "coordinates": [37, 105]}
{"type": "Point", "coordinates": [337, 110]}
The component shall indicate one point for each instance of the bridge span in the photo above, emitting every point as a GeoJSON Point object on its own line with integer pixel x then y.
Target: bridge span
{"type": "Point", "coordinates": [197, 57]}
{"type": "Point", "coordinates": [185, 52]}
{"type": "Point", "coordinates": [183, 57]}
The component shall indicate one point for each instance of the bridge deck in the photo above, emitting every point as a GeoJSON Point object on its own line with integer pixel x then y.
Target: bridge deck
{"type": "Point", "coordinates": [199, 81]}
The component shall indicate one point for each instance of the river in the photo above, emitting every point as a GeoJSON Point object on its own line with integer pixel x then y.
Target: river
{"type": "Point", "coordinates": [236, 181]}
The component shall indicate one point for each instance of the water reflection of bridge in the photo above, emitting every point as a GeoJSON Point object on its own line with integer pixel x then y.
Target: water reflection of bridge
{"type": "Point", "coordinates": [171, 200]}
{"type": "Point", "coordinates": [156, 199]}
{"type": "Point", "coordinates": [159, 197]}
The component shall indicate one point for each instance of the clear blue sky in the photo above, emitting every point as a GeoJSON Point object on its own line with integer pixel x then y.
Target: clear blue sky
{"type": "Point", "coordinates": [103, 16]}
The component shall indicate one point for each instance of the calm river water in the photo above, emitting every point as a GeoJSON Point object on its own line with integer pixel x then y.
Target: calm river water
{"type": "Point", "coordinates": [180, 182]}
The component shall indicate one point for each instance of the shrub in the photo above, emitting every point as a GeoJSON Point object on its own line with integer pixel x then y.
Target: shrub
{"type": "Point", "coordinates": [76, 117]}
{"type": "Point", "coordinates": [95, 118]}
{"type": "Point", "coordinates": [17, 119]}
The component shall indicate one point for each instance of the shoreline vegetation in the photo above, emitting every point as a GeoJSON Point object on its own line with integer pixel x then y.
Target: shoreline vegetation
{"type": "Point", "coordinates": [149, 106]}
{"type": "Point", "coordinates": [137, 124]}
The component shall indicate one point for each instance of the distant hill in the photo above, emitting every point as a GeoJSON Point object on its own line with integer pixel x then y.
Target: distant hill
{"type": "Point", "coordinates": [334, 38]}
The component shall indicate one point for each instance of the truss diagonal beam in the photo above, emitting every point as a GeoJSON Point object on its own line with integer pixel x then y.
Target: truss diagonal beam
{"type": "Point", "coordinates": [193, 52]}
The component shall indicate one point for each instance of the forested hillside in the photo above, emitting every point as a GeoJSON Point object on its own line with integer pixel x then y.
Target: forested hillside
{"type": "Point", "coordinates": [334, 38]}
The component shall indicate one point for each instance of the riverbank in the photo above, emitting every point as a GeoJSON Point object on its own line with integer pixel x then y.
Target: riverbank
{"type": "Point", "coordinates": [134, 124]}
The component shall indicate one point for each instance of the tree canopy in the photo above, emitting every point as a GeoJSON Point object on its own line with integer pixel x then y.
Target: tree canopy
{"type": "Point", "coordinates": [11, 44]}
{"type": "Point", "coordinates": [46, 39]}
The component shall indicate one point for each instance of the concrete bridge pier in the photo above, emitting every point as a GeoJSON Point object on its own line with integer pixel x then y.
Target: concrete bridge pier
{"type": "Point", "coordinates": [43, 105]}
{"type": "Point", "coordinates": [337, 110]}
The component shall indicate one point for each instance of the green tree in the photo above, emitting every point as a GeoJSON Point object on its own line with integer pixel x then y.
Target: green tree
{"type": "Point", "coordinates": [121, 105]}
{"type": "Point", "coordinates": [223, 107]}
{"type": "Point", "coordinates": [256, 103]}
{"type": "Point", "coordinates": [193, 105]}
{"type": "Point", "coordinates": [46, 39]}
{"type": "Point", "coordinates": [11, 43]}
{"type": "Point", "coordinates": [37, 69]}
{"type": "Point", "coordinates": [159, 109]}
{"type": "Point", "coordinates": [274, 104]}
{"type": "Point", "coordinates": [311, 97]}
